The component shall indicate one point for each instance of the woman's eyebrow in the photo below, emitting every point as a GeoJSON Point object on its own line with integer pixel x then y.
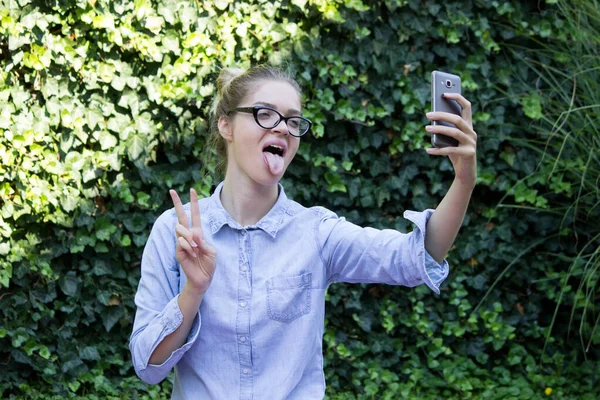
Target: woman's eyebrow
{"type": "Point", "coordinates": [290, 111]}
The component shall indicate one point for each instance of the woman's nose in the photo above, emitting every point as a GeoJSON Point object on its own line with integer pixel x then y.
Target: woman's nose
{"type": "Point", "coordinates": [281, 127]}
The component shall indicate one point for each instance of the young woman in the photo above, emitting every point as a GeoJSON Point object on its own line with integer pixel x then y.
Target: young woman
{"type": "Point", "coordinates": [232, 292]}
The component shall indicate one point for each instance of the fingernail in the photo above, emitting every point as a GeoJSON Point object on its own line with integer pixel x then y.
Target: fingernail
{"type": "Point", "coordinates": [429, 114]}
{"type": "Point", "coordinates": [428, 127]}
{"type": "Point", "coordinates": [194, 244]}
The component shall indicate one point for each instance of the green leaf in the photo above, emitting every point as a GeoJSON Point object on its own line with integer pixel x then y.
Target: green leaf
{"type": "Point", "coordinates": [106, 140]}
{"type": "Point", "coordinates": [89, 353]}
{"type": "Point", "coordinates": [4, 248]}
{"type": "Point", "coordinates": [104, 228]}
{"type": "Point", "coordinates": [125, 241]}
{"type": "Point", "coordinates": [334, 183]}
{"type": "Point", "coordinates": [111, 316]}
{"type": "Point", "coordinates": [222, 4]}
{"type": "Point", "coordinates": [74, 385]}
{"type": "Point", "coordinates": [532, 105]}
{"type": "Point", "coordinates": [137, 146]}
{"type": "Point", "coordinates": [69, 283]}
{"type": "Point", "coordinates": [74, 161]}
{"type": "Point", "coordinates": [44, 352]}
{"type": "Point", "coordinates": [154, 24]}
{"type": "Point", "coordinates": [137, 223]}
{"type": "Point", "coordinates": [103, 297]}
{"type": "Point", "coordinates": [143, 199]}
{"type": "Point", "coordinates": [69, 198]}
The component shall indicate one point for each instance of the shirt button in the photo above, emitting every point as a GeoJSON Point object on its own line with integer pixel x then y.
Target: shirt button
{"type": "Point", "coordinates": [242, 304]}
{"type": "Point", "coordinates": [244, 268]}
{"type": "Point", "coordinates": [243, 339]}
{"type": "Point", "coordinates": [245, 371]}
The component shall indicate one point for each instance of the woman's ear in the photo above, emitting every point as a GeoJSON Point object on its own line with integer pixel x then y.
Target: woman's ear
{"type": "Point", "coordinates": [225, 128]}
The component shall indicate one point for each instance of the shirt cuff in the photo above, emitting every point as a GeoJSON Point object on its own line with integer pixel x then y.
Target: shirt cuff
{"type": "Point", "coordinates": [171, 318]}
{"type": "Point", "coordinates": [432, 272]}
{"type": "Point", "coordinates": [435, 271]}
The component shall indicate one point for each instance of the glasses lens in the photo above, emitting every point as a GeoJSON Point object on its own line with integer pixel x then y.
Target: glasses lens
{"type": "Point", "coordinates": [267, 118]}
{"type": "Point", "coordinates": [298, 126]}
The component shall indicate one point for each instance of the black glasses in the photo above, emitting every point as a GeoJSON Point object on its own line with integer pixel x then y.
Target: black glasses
{"type": "Point", "coordinates": [268, 118]}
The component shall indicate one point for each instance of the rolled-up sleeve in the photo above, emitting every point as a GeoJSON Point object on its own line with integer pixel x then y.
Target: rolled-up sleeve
{"type": "Point", "coordinates": [158, 313]}
{"type": "Point", "coordinates": [367, 255]}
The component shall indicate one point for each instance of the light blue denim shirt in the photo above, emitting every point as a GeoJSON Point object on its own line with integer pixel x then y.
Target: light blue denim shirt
{"type": "Point", "coordinates": [259, 330]}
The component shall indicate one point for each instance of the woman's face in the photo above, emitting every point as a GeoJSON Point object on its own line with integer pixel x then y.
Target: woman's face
{"type": "Point", "coordinates": [262, 154]}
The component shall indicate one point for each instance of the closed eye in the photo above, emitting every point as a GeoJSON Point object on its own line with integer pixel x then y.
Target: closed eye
{"type": "Point", "coordinates": [265, 114]}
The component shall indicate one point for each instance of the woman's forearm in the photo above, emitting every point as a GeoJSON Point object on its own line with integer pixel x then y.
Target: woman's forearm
{"type": "Point", "coordinates": [444, 224]}
{"type": "Point", "coordinates": [189, 303]}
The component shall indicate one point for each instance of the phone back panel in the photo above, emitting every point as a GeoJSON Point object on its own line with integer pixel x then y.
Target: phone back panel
{"type": "Point", "coordinates": [443, 82]}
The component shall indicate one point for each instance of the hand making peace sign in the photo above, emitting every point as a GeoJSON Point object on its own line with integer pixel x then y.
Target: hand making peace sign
{"type": "Point", "coordinates": [197, 258]}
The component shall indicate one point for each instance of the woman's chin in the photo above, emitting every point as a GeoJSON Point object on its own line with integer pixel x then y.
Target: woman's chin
{"type": "Point", "coordinates": [269, 179]}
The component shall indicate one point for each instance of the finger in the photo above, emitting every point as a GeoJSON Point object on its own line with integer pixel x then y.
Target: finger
{"type": "Point", "coordinates": [183, 244]}
{"type": "Point", "coordinates": [462, 151]}
{"type": "Point", "coordinates": [181, 216]}
{"type": "Point", "coordinates": [452, 132]}
{"type": "Point", "coordinates": [208, 249]}
{"type": "Point", "coordinates": [196, 221]}
{"type": "Point", "coordinates": [454, 119]}
{"type": "Point", "coordinates": [465, 105]}
{"type": "Point", "coordinates": [460, 99]}
{"type": "Point", "coordinates": [185, 233]}
{"type": "Point", "coordinates": [197, 236]}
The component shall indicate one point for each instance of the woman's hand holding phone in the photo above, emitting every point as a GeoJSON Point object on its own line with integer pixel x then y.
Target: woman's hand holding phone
{"type": "Point", "coordinates": [453, 136]}
{"type": "Point", "coordinates": [463, 156]}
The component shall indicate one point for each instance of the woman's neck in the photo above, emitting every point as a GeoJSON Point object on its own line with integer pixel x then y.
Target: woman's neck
{"type": "Point", "coordinates": [247, 202]}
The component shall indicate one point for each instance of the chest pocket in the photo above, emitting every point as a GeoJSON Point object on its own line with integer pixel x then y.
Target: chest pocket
{"type": "Point", "coordinates": [288, 297]}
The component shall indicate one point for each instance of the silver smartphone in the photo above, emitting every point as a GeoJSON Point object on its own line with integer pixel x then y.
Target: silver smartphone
{"type": "Point", "coordinates": [443, 82]}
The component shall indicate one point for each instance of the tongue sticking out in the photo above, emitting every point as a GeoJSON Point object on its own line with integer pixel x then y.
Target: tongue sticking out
{"type": "Point", "coordinates": [274, 162]}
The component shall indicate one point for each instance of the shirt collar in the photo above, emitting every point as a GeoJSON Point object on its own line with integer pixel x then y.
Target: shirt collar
{"type": "Point", "coordinates": [270, 223]}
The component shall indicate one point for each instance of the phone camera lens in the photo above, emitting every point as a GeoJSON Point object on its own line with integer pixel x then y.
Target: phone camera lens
{"type": "Point", "coordinates": [448, 83]}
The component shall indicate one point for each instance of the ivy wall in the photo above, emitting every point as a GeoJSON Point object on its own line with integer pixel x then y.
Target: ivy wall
{"type": "Point", "coordinates": [103, 108]}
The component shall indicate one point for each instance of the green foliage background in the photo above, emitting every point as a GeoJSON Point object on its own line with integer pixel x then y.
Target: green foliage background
{"type": "Point", "coordinates": [103, 108]}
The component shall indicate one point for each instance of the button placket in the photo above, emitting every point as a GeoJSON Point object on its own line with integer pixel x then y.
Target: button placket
{"type": "Point", "coordinates": [243, 315]}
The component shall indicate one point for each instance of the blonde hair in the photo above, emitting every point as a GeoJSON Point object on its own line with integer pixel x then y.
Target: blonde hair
{"type": "Point", "coordinates": [233, 84]}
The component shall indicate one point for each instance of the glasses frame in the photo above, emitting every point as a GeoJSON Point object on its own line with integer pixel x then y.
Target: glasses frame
{"type": "Point", "coordinates": [255, 109]}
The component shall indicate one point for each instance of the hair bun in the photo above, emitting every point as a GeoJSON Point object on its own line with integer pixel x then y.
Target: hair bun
{"type": "Point", "coordinates": [226, 76]}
